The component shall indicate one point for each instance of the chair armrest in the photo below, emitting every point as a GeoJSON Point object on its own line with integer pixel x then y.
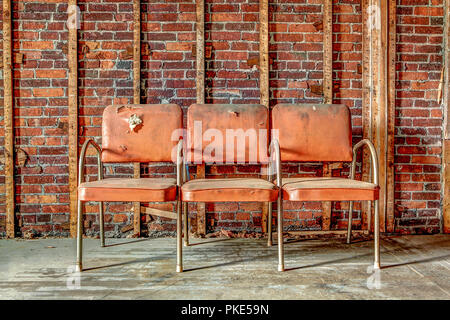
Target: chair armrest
{"type": "Point", "coordinates": [274, 151]}
{"type": "Point", "coordinates": [374, 156]}
{"type": "Point", "coordinates": [181, 175]}
{"type": "Point", "coordinates": [83, 159]}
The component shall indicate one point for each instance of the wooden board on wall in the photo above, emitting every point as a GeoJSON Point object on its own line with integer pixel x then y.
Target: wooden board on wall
{"type": "Point", "coordinates": [73, 118]}
{"type": "Point", "coordinates": [379, 100]}
{"type": "Point", "coordinates": [264, 52]}
{"type": "Point", "coordinates": [200, 79]}
{"type": "Point", "coordinates": [264, 79]}
{"type": "Point", "coordinates": [366, 112]}
{"type": "Point", "coordinates": [445, 224]}
{"type": "Point", "coordinates": [137, 99]}
{"type": "Point", "coordinates": [327, 85]}
{"type": "Point", "coordinates": [8, 118]}
{"type": "Point", "coordinates": [390, 152]}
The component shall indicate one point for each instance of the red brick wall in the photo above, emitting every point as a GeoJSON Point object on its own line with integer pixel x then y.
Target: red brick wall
{"type": "Point", "coordinates": [418, 132]}
{"type": "Point", "coordinates": [168, 76]}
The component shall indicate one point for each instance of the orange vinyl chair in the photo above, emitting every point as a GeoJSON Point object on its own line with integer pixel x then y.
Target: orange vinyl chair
{"type": "Point", "coordinates": [212, 130]}
{"type": "Point", "coordinates": [134, 133]}
{"type": "Point", "coordinates": [322, 132]}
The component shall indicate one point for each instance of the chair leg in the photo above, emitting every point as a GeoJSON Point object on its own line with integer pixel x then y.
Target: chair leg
{"type": "Point", "coordinates": [369, 218]}
{"type": "Point", "coordinates": [102, 225]}
{"type": "Point", "coordinates": [376, 264]}
{"type": "Point", "coordinates": [269, 226]}
{"type": "Point", "coordinates": [186, 224]}
{"type": "Point", "coordinates": [349, 226]}
{"type": "Point", "coordinates": [80, 237]}
{"type": "Point", "coordinates": [179, 238]}
{"type": "Point", "coordinates": [280, 234]}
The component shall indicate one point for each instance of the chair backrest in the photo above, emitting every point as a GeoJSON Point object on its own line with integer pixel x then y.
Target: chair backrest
{"type": "Point", "coordinates": [141, 132]}
{"type": "Point", "coordinates": [313, 132]}
{"type": "Point", "coordinates": [227, 133]}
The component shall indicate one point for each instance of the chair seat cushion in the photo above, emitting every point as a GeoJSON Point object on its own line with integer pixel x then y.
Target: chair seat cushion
{"type": "Point", "coordinates": [328, 189]}
{"type": "Point", "coordinates": [232, 189]}
{"type": "Point", "coordinates": [128, 189]}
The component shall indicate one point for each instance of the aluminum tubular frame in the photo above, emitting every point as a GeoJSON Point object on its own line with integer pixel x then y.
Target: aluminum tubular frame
{"type": "Point", "coordinates": [374, 158]}
{"type": "Point", "coordinates": [81, 165]}
{"type": "Point", "coordinates": [180, 181]}
{"type": "Point", "coordinates": [185, 212]}
{"type": "Point", "coordinates": [273, 144]}
{"type": "Point", "coordinates": [274, 150]}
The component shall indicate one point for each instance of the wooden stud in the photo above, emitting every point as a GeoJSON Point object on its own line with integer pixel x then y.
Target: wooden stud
{"type": "Point", "coordinates": [201, 206]}
{"type": "Point", "coordinates": [327, 89]}
{"type": "Point", "coordinates": [380, 102]}
{"type": "Point", "coordinates": [445, 221]}
{"type": "Point", "coordinates": [390, 181]}
{"type": "Point", "coordinates": [137, 99]}
{"type": "Point", "coordinates": [8, 118]}
{"type": "Point", "coordinates": [73, 119]}
{"type": "Point", "coordinates": [200, 56]}
{"type": "Point", "coordinates": [328, 51]}
{"type": "Point", "coordinates": [378, 57]}
{"type": "Point", "coordinates": [200, 47]}
{"type": "Point", "coordinates": [264, 52]}
{"type": "Point", "coordinates": [159, 213]}
{"type": "Point", "coordinates": [325, 232]}
{"type": "Point", "coordinates": [366, 111]}
{"type": "Point", "coordinates": [264, 80]}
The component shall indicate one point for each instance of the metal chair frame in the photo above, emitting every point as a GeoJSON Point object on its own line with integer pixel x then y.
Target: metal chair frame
{"type": "Point", "coordinates": [274, 151]}
{"type": "Point", "coordinates": [81, 167]}
{"type": "Point", "coordinates": [375, 179]}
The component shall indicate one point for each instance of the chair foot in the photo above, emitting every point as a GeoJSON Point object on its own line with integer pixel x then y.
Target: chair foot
{"type": "Point", "coordinates": [186, 243]}
{"type": "Point", "coordinates": [179, 269]}
{"type": "Point", "coordinates": [376, 266]}
{"type": "Point", "coordinates": [79, 267]}
{"type": "Point", "coordinates": [281, 267]}
{"type": "Point", "coordinates": [269, 243]}
{"type": "Point", "coordinates": [349, 241]}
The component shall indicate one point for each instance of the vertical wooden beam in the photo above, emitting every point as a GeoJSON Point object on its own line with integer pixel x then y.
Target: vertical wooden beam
{"type": "Point", "coordinates": [376, 94]}
{"type": "Point", "coordinates": [380, 102]}
{"type": "Point", "coordinates": [327, 85]}
{"type": "Point", "coordinates": [137, 99]}
{"type": "Point", "coordinates": [390, 181]}
{"type": "Point", "coordinates": [200, 26]}
{"type": "Point", "coordinates": [73, 119]}
{"type": "Point", "coordinates": [264, 51]}
{"type": "Point", "coordinates": [366, 110]}
{"type": "Point", "coordinates": [8, 113]}
{"type": "Point", "coordinates": [200, 12]}
{"type": "Point", "coordinates": [264, 79]}
{"type": "Point", "coordinates": [445, 221]}
{"type": "Point", "coordinates": [328, 51]}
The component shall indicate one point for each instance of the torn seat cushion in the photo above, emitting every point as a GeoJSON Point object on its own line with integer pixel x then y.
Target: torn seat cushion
{"type": "Point", "coordinates": [128, 189]}
{"type": "Point", "coordinates": [328, 189]}
{"type": "Point", "coordinates": [231, 189]}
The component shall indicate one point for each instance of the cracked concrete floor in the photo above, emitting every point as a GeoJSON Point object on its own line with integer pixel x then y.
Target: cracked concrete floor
{"type": "Point", "coordinates": [414, 267]}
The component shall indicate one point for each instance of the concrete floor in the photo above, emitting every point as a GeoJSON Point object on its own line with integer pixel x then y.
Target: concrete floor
{"type": "Point", "coordinates": [414, 267]}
